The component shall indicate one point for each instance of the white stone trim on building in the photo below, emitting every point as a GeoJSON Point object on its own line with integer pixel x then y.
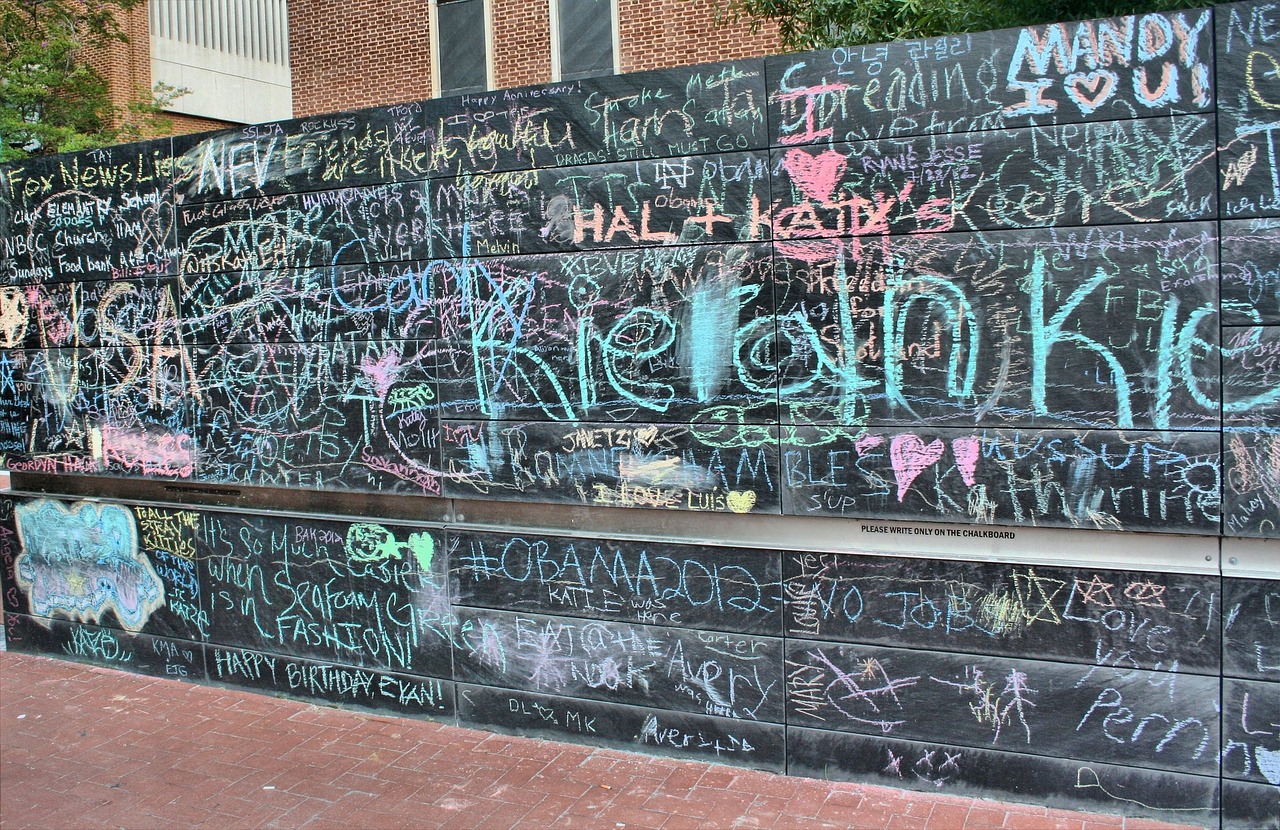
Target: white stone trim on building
{"type": "Point", "coordinates": [231, 55]}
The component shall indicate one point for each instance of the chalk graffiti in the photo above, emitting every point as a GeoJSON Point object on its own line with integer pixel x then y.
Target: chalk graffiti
{"type": "Point", "coordinates": [1153, 50]}
{"type": "Point", "coordinates": [892, 691]}
{"type": "Point", "coordinates": [658, 584]}
{"type": "Point", "coordinates": [1018, 277]}
{"type": "Point", "coordinates": [84, 563]}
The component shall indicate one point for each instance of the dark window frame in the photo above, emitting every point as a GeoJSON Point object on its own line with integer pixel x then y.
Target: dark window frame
{"type": "Point", "coordinates": [586, 57]}
{"type": "Point", "coordinates": [457, 43]}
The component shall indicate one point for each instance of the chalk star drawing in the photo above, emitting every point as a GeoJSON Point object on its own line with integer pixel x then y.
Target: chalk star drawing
{"type": "Point", "coordinates": [1096, 592]}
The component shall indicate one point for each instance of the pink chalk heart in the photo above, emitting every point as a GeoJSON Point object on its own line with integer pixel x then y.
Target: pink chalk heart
{"type": "Point", "coordinates": [966, 452]}
{"type": "Point", "coordinates": [816, 176]}
{"type": "Point", "coordinates": [1090, 90]}
{"type": "Point", "coordinates": [910, 457]}
{"type": "Point", "coordinates": [382, 373]}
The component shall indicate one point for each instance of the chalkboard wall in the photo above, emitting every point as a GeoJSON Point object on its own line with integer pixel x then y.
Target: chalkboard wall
{"type": "Point", "coordinates": [1016, 278]}
{"type": "Point", "coordinates": [1136, 692]}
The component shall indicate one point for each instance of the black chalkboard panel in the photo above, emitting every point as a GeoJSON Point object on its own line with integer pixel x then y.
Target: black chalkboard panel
{"type": "Point", "coordinates": [670, 332]}
{"type": "Point", "coordinates": [141, 390]}
{"type": "Point", "coordinates": [356, 415]}
{"type": "Point", "coordinates": [1248, 48]}
{"type": "Point", "coordinates": [337, 304]}
{"type": "Point", "coordinates": [1123, 716]}
{"type": "Point", "coordinates": [682, 199]}
{"type": "Point", "coordinates": [728, 675]}
{"type": "Point", "coordinates": [654, 731]}
{"type": "Point", "coordinates": [323, 152]}
{"type": "Point", "coordinates": [112, 647]}
{"type": "Point", "coordinates": [125, 408]}
{"type": "Point", "coordinates": [1251, 492]}
{"type": "Point", "coordinates": [1251, 731]}
{"type": "Point", "coordinates": [338, 591]}
{"type": "Point", "coordinates": [1251, 507]}
{"type": "Point", "coordinates": [129, 568]}
{"type": "Point", "coordinates": [1158, 481]}
{"type": "Point", "coordinates": [340, 684]}
{"type": "Point", "coordinates": [1250, 272]}
{"type": "Point", "coordinates": [1054, 782]}
{"type": "Point", "coordinates": [727, 589]}
{"type": "Point", "coordinates": [1103, 173]}
{"type": "Point", "coordinates": [121, 314]}
{"type": "Point", "coordinates": [720, 467]}
{"type": "Point", "coordinates": [167, 537]}
{"type": "Point", "coordinates": [401, 578]}
{"type": "Point", "coordinates": [378, 223]}
{"type": "Point", "coordinates": [1250, 376]}
{"type": "Point", "coordinates": [1250, 806]}
{"type": "Point", "coordinates": [12, 599]}
{"type": "Point", "coordinates": [267, 591]}
{"type": "Point", "coordinates": [96, 214]}
{"type": "Point", "coordinates": [17, 405]}
{"type": "Point", "coordinates": [45, 384]}
{"type": "Point", "coordinates": [1105, 327]}
{"type": "Point", "coordinates": [1251, 629]}
{"type": "Point", "coordinates": [1250, 408]}
{"type": "Point", "coordinates": [1130, 67]}
{"type": "Point", "coordinates": [1121, 619]}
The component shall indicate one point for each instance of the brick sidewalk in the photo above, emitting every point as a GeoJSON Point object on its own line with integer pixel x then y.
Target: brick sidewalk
{"type": "Point", "coordinates": [87, 747]}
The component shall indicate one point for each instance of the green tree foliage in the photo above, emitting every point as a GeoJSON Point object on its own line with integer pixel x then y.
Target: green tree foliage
{"type": "Point", "coordinates": [51, 99]}
{"type": "Point", "coordinates": [824, 24]}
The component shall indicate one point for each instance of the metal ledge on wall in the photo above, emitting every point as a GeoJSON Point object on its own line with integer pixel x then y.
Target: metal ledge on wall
{"type": "Point", "coordinates": [271, 499]}
{"type": "Point", "coordinates": [1166, 553]}
{"type": "Point", "coordinates": [1251, 558]}
{"type": "Point", "coordinates": [989, 543]}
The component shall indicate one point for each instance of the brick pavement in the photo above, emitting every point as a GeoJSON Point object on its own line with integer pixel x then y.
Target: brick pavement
{"type": "Point", "coordinates": [89, 747]}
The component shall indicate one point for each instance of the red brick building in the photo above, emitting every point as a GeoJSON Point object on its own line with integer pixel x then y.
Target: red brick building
{"type": "Point", "coordinates": [346, 54]}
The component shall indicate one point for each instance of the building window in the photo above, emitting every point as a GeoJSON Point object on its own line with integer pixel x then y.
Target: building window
{"type": "Point", "coordinates": [461, 42]}
{"type": "Point", "coordinates": [583, 34]}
